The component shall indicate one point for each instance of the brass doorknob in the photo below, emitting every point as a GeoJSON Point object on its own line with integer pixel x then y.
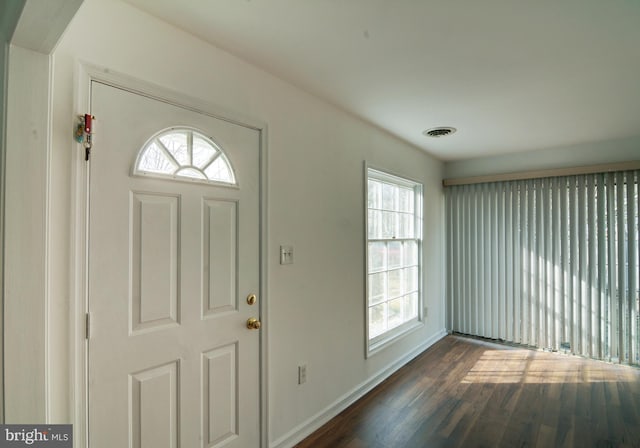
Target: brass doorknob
{"type": "Point", "coordinates": [253, 323]}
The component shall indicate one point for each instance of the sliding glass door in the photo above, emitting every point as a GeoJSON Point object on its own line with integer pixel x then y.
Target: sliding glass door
{"type": "Point", "coordinates": [551, 263]}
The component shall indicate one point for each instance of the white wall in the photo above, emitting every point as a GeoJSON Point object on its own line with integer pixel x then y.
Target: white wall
{"type": "Point", "coordinates": [9, 14]}
{"type": "Point", "coordinates": [315, 200]}
{"type": "Point", "coordinates": [25, 181]}
{"type": "Point", "coordinates": [4, 58]}
{"type": "Point", "coordinates": [594, 153]}
{"type": "Point", "coordinates": [25, 242]}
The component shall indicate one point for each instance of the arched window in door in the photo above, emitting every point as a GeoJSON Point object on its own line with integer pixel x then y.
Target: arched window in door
{"type": "Point", "coordinates": [184, 153]}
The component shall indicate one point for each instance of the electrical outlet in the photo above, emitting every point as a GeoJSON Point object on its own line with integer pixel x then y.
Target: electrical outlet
{"type": "Point", "coordinates": [286, 254]}
{"type": "Point", "coordinates": [302, 373]}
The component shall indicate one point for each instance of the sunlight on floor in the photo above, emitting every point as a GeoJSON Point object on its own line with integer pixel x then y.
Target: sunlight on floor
{"type": "Point", "coordinates": [527, 366]}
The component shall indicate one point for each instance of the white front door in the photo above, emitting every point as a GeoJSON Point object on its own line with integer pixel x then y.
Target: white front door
{"type": "Point", "coordinates": [172, 261]}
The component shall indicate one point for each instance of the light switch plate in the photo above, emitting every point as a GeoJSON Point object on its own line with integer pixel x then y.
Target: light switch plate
{"type": "Point", "coordinates": [286, 254]}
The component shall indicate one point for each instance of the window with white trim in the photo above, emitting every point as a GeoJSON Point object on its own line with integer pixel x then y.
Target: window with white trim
{"type": "Point", "coordinates": [187, 154]}
{"type": "Point", "coordinates": [394, 254]}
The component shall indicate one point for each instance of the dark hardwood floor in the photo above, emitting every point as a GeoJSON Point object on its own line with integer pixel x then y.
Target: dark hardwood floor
{"type": "Point", "coordinates": [464, 392]}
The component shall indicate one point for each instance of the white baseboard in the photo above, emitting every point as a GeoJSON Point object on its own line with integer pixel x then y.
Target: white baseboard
{"type": "Point", "coordinates": [309, 426]}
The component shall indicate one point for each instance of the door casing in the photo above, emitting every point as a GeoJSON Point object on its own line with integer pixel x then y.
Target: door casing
{"type": "Point", "coordinates": [87, 74]}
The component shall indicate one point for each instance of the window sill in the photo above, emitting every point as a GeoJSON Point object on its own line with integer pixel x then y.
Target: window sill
{"type": "Point", "coordinates": [394, 335]}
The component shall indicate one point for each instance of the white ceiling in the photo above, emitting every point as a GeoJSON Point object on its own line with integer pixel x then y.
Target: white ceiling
{"type": "Point", "coordinates": [510, 75]}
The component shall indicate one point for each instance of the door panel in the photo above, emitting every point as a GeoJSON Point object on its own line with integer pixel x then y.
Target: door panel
{"type": "Point", "coordinates": [220, 399]}
{"type": "Point", "coordinates": [219, 256]}
{"type": "Point", "coordinates": [154, 261]}
{"type": "Point", "coordinates": [171, 362]}
{"type": "Point", "coordinates": [154, 406]}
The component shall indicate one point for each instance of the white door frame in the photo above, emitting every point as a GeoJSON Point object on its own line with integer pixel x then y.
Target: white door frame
{"type": "Point", "coordinates": [88, 73]}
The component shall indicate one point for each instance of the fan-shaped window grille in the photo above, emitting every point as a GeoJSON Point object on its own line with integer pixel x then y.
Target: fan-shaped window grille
{"type": "Point", "coordinates": [187, 154]}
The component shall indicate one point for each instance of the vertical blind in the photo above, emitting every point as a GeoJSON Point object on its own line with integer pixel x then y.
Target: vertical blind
{"type": "Point", "coordinates": [550, 263]}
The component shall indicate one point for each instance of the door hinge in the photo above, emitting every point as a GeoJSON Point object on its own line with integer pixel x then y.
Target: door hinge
{"type": "Point", "coordinates": [87, 325]}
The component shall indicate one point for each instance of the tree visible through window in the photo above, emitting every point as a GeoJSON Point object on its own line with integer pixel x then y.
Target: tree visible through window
{"type": "Point", "coordinates": [393, 255]}
{"type": "Point", "coordinates": [184, 153]}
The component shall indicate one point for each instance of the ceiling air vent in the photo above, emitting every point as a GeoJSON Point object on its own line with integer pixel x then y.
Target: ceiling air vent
{"type": "Point", "coordinates": [440, 131]}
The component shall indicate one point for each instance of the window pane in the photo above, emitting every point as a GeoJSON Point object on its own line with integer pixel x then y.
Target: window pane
{"type": "Point", "coordinates": [203, 152]}
{"type": "Point", "coordinates": [389, 227]}
{"type": "Point", "coordinates": [410, 279]}
{"type": "Point", "coordinates": [410, 253]}
{"type": "Point", "coordinates": [405, 200]}
{"type": "Point", "coordinates": [394, 255]}
{"type": "Point", "coordinates": [394, 287]}
{"type": "Point", "coordinates": [155, 160]}
{"type": "Point", "coordinates": [190, 172]}
{"type": "Point", "coordinates": [219, 170]}
{"type": "Point", "coordinates": [377, 287]}
{"type": "Point", "coordinates": [389, 197]}
{"type": "Point", "coordinates": [373, 191]}
{"type": "Point", "coordinates": [375, 224]}
{"type": "Point", "coordinates": [176, 144]}
{"type": "Point", "coordinates": [411, 306]}
{"type": "Point", "coordinates": [377, 256]}
{"type": "Point", "coordinates": [406, 225]}
{"type": "Point", "coordinates": [395, 312]}
{"type": "Point", "coordinates": [377, 320]}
